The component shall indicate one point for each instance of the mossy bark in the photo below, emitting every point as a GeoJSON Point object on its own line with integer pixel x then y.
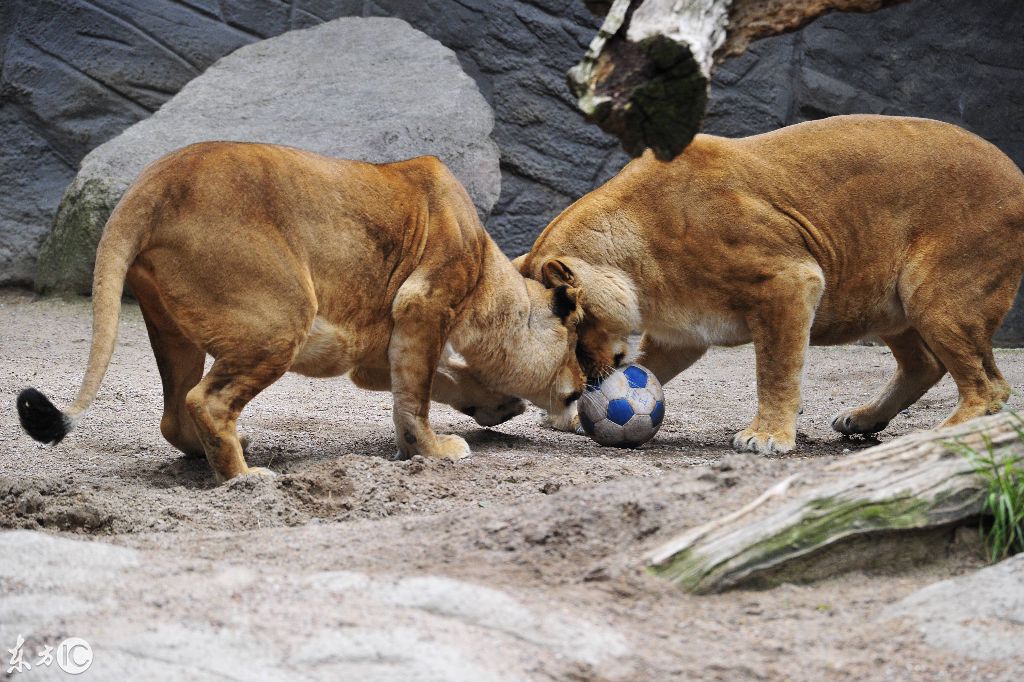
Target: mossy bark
{"type": "Point", "coordinates": [921, 483]}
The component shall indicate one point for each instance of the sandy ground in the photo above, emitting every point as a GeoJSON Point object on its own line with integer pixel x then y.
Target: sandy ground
{"type": "Point", "coordinates": [550, 518]}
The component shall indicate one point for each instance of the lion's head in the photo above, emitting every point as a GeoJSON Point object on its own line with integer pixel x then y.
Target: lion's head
{"type": "Point", "coordinates": [558, 313]}
{"type": "Point", "coordinates": [541, 365]}
{"type": "Point", "coordinates": [608, 316]}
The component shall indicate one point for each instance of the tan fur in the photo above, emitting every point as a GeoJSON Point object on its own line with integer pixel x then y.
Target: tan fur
{"type": "Point", "coordinates": [822, 232]}
{"type": "Point", "coordinates": [272, 259]}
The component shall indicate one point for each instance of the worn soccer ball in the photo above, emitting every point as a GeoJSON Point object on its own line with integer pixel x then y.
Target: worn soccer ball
{"type": "Point", "coordinates": [625, 410]}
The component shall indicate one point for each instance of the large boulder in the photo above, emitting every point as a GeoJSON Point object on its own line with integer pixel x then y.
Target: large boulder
{"type": "Point", "coordinates": [980, 615]}
{"type": "Point", "coordinates": [373, 89]}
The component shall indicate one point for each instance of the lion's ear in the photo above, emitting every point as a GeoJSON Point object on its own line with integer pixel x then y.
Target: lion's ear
{"type": "Point", "coordinates": [565, 304]}
{"type": "Point", "coordinates": [556, 273]}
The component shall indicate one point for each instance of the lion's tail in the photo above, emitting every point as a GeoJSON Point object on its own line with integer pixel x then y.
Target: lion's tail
{"type": "Point", "coordinates": [120, 244]}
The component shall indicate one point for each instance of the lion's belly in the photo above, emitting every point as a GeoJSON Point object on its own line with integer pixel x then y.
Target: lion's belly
{"type": "Point", "coordinates": [840, 318]}
{"type": "Point", "coordinates": [333, 349]}
{"type": "Point", "coordinates": [848, 314]}
{"type": "Point", "coordinates": [697, 329]}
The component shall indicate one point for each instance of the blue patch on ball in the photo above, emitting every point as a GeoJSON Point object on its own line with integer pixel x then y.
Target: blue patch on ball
{"type": "Point", "coordinates": [620, 411]}
{"type": "Point", "coordinates": [625, 409]}
{"type": "Point", "coordinates": [658, 414]}
{"type": "Point", "coordinates": [636, 376]}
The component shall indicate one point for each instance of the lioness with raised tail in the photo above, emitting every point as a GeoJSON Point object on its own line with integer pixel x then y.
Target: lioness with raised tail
{"type": "Point", "coordinates": [273, 259]}
{"type": "Point", "coordinates": [823, 232]}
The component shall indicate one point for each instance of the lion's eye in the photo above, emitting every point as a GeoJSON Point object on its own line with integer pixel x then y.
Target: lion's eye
{"type": "Point", "coordinates": [619, 358]}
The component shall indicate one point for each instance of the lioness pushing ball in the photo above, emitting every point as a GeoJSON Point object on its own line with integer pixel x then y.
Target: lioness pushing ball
{"type": "Point", "coordinates": [273, 259]}
{"type": "Point", "coordinates": [823, 232]}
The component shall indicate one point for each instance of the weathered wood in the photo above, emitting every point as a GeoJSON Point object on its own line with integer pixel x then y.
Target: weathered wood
{"type": "Point", "coordinates": [646, 74]}
{"type": "Point", "coordinates": [918, 482]}
{"type": "Point", "coordinates": [645, 84]}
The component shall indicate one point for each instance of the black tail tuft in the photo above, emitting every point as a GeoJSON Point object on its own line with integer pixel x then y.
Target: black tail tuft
{"type": "Point", "coordinates": [40, 418]}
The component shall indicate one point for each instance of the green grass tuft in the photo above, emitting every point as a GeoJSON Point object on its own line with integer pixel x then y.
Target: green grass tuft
{"type": "Point", "coordinates": [1004, 499]}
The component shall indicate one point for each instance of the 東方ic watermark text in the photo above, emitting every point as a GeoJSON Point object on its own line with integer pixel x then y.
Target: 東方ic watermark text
{"type": "Point", "coordinates": [73, 656]}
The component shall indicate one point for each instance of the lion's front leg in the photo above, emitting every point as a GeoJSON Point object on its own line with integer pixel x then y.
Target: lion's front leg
{"type": "Point", "coordinates": [780, 325]}
{"type": "Point", "coordinates": [416, 344]}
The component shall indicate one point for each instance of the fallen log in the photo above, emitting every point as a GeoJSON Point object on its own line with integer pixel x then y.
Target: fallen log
{"type": "Point", "coordinates": [645, 75]}
{"type": "Point", "coordinates": [923, 482]}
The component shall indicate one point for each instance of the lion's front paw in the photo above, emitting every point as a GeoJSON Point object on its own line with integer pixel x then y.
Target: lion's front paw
{"type": "Point", "coordinates": [570, 424]}
{"type": "Point", "coordinates": [857, 422]}
{"type": "Point", "coordinates": [250, 474]}
{"type": "Point", "coordinates": [450, 447]}
{"type": "Point", "coordinates": [260, 471]}
{"type": "Point", "coordinates": [569, 420]}
{"type": "Point", "coordinates": [763, 442]}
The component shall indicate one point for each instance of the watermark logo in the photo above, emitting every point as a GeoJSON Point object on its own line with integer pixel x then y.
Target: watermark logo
{"type": "Point", "coordinates": [18, 662]}
{"type": "Point", "coordinates": [73, 656]}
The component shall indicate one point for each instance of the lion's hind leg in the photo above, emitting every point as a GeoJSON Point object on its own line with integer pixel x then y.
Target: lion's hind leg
{"type": "Point", "coordinates": [251, 352]}
{"type": "Point", "coordinates": [917, 370]}
{"type": "Point", "coordinates": [216, 402]}
{"type": "Point", "coordinates": [965, 348]}
{"type": "Point", "coordinates": [1001, 387]}
{"type": "Point", "coordinates": [956, 314]}
{"type": "Point", "coordinates": [181, 367]}
{"type": "Point", "coordinates": [179, 361]}
{"type": "Point", "coordinates": [958, 352]}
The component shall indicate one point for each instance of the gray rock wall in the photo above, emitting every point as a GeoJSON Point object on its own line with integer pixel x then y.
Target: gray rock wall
{"type": "Point", "coordinates": [77, 72]}
{"type": "Point", "coordinates": [961, 62]}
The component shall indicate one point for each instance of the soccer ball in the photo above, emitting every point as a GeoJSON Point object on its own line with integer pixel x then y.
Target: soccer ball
{"type": "Point", "coordinates": [625, 410]}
